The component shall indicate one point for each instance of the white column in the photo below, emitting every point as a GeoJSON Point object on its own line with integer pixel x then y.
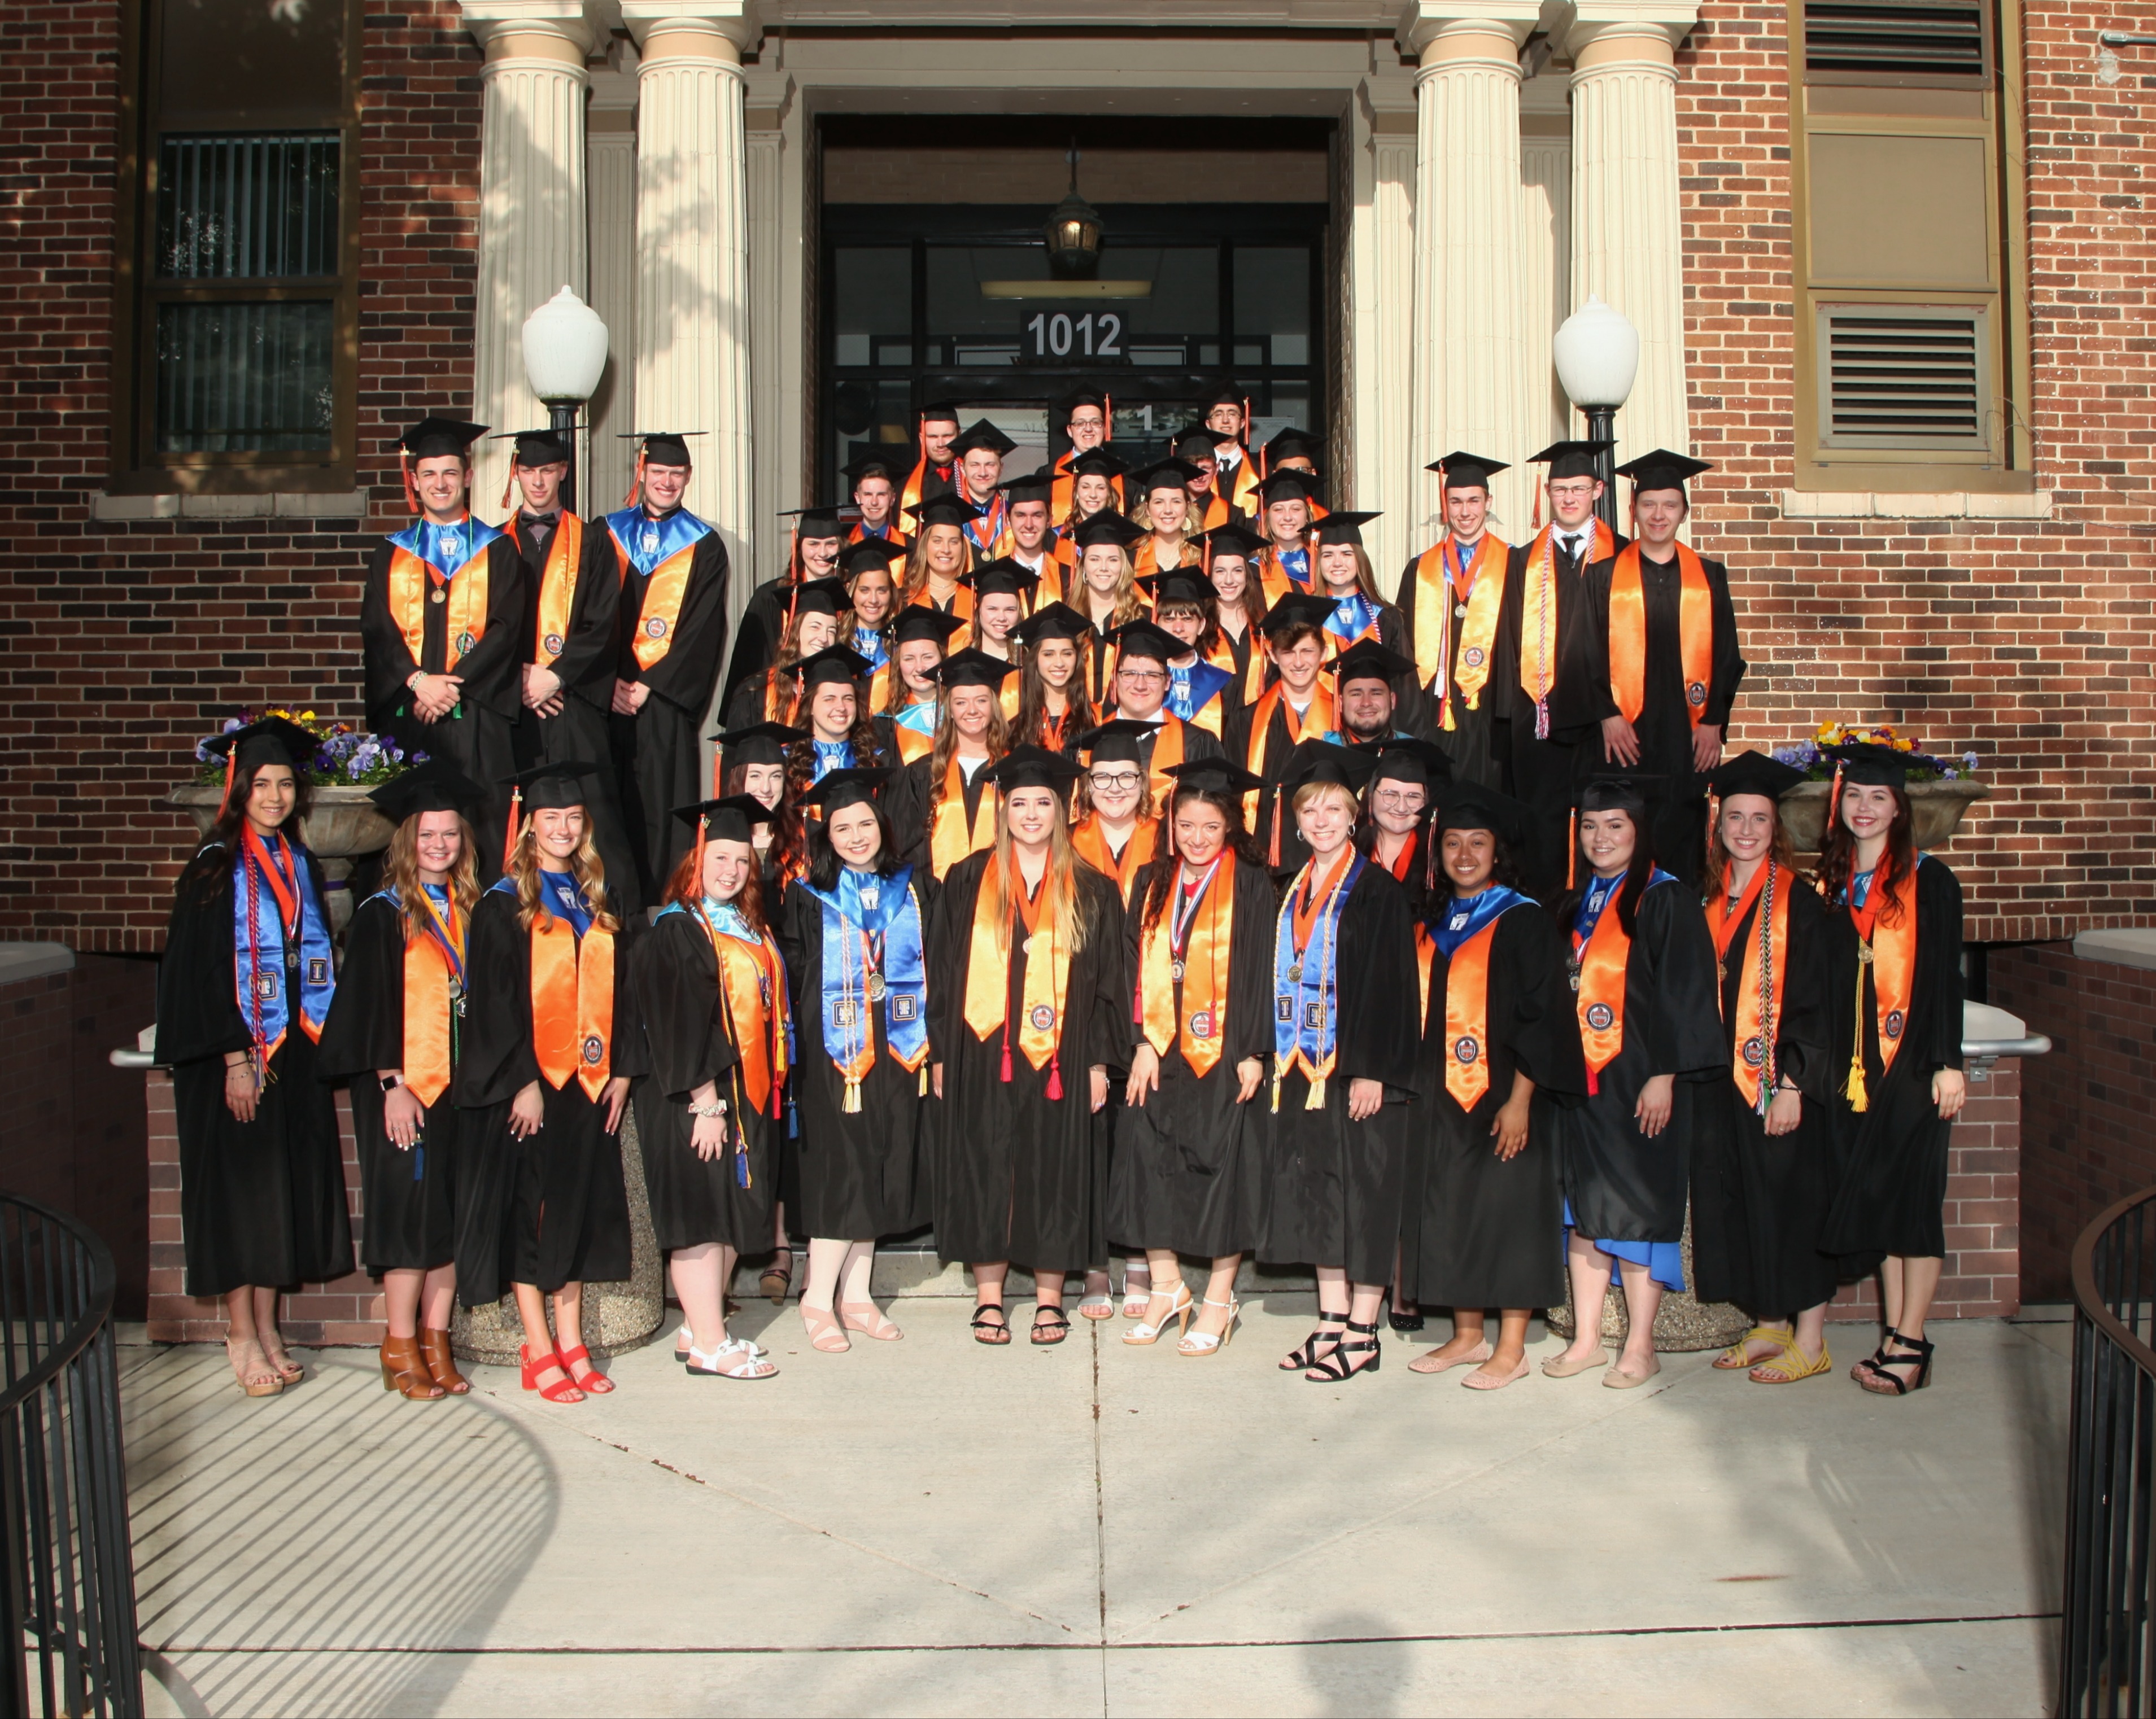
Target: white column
{"type": "Point", "coordinates": [1546, 283]}
{"type": "Point", "coordinates": [1469, 364]}
{"type": "Point", "coordinates": [531, 217]}
{"type": "Point", "coordinates": [611, 152]}
{"type": "Point", "coordinates": [1381, 281]}
{"type": "Point", "coordinates": [775, 321]}
{"type": "Point", "coordinates": [1627, 232]}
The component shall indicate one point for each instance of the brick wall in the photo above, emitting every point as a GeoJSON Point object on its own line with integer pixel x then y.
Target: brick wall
{"type": "Point", "coordinates": [2027, 641]}
{"type": "Point", "coordinates": [122, 644]}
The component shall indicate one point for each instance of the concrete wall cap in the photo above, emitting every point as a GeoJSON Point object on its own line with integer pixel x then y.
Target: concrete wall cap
{"type": "Point", "coordinates": [34, 961]}
{"type": "Point", "coordinates": [2121, 946]}
{"type": "Point", "coordinates": [1949, 504]}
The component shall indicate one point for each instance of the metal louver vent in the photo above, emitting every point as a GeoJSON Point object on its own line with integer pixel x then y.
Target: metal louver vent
{"type": "Point", "coordinates": [1896, 41]}
{"type": "Point", "coordinates": [1904, 378]}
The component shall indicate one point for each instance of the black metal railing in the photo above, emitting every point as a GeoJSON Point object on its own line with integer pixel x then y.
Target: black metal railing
{"type": "Point", "coordinates": [70, 1591]}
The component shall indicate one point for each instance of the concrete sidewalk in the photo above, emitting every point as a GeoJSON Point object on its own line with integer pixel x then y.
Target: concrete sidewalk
{"type": "Point", "coordinates": [932, 1527]}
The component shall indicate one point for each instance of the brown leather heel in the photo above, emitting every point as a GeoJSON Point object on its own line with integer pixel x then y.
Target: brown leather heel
{"type": "Point", "coordinates": [404, 1371]}
{"type": "Point", "coordinates": [441, 1363]}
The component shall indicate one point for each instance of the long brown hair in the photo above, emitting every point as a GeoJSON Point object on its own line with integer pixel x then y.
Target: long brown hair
{"type": "Point", "coordinates": [1059, 887]}
{"type": "Point", "coordinates": [585, 866]}
{"type": "Point", "coordinates": [997, 740]}
{"type": "Point", "coordinates": [915, 586]}
{"type": "Point", "coordinates": [687, 888]}
{"type": "Point", "coordinates": [1837, 861]}
{"type": "Point", "coordinates": [1782, 852]}
{"type": "Point", "coordinates": [1030, 725]}
{"type": "Point", "coordinates": [1366, 576]}
{"type": "Point", "coordinates": [401, 872]}
{"type": "Point", "coordinates": [1238, 848]}
{"type": "Point", "coordinates": [788, 851]}
{"type": "Point", "coordinates": [233, 818]}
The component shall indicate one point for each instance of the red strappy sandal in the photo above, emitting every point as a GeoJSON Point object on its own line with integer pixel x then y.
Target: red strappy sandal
{"type": "Point", "coordinates": [563, 1390]}
{"type": "Point", "coordinates": [593, 1381]}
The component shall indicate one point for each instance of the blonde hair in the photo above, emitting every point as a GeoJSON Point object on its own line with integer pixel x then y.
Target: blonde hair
{"type": "Point", "coordinates": [1129, 604]}
{"type": "Point", "coordinates": [585, 866]}
{"type": "Point", "coordinates": [1310, 792]}
{"type": "Point", "coordinates": [916, 566]}
{"type": "Point", "coordinates": [401, 872]}
{"type": "Point", "coordinates": [1059, 887]}
{"type": "Point", "coordinates": [996, 739]}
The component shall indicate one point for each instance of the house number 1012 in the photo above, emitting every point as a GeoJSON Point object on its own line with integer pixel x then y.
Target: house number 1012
{"type": "Point", "coordinates": [1094, 337]}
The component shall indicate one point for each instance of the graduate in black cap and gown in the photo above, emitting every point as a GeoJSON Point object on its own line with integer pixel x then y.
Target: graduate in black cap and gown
{"type": "Point", "coordinates": [1231, 555]}
{"type": "Point", "coordinates": [1084, 430]}
{"type": "Point", "coordinates": [1342, 1066]}
{"type": "Point", "coordinates": [1763, 1161]}
{"type": "Point", "coordinates": [442, 623]}
{"type": "Point", "coordinates": [1199, 449]}
{"type": "Point", "coordinates": [1663, 638]}
{"type": "Point", "coordinates": [854, 935]}
{"type": "Point", "coordinates": [1034, 544]}
{"type": "Point", "coordinates": [1237, 476]}
{"type": "Point", "coordinates": [1200, 692]}
{"type": "Point", "coordinates": [673, 569]}
{"type": "Point", "coordinates": [939, 805]}
{"type": "Point", "coordinates": [942, 555]}
{"type": "Point", "coordinates": [1397, 809]}
{"type": "Point", "coordinates": [1104, 590]}
{"type": "Point", "coordinates": [815, 550]}
{"type": "Point", "coordinates": [810, 625]}
{"type": "Point", "coordinates": [1360, 616]}
{"type": "Point", "coordinates": [1288, 501]}
{"type": "Point", "coordinates": [711, 1121]}
{"type": "Point", "coordinates": [1163, 490]}
{"type": "Point", "coordinates": [551, 1040]}
{"type": "Point", "coordinates": [1366, 682]}
{"type": "Point", "coordinates": [1053, 709]}
{"type": "Point", "coordinates": [1651, 1034]}
{"type": "Point", "coordinates": [752, 762]}
{"type": "Point", "coordinates": [1450, 598]}
{"type": "Point", "coordinates": [935, 470]}
{"type": "Point", "coordinates": [1499, 1054]}
{"type": "Point", "coordinates": [1189, 1168]}
{"type": "Point", "coordinates": [979, 450]}
{"type": "Point", "coordinates": [1894, 987]}
{"type": "Point", "coordinates": [1143, 652]}
{"type": "Point", "coordinates": [1550, 696]}
{"type": "Point", "coordinates": [875, 477]}
{"type": "Point", "coordinates": [921, 639]}
{"type": "Point", "coordinates": [1299, 704]}
{"type": "Point", "coordinates": [393, 1035]}
{"type": "Point", "coordinates": [1003, 597]}
{"type": "Point", "coordinates": [1029, 997]}
{"type": "Point", "coordinates": [244, 988]}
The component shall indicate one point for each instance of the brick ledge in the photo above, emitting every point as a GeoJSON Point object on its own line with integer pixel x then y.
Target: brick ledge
{"type": "Point", "coordinates": [1953, 504]}
{"type": "Point", "coordinates": [121, 509]}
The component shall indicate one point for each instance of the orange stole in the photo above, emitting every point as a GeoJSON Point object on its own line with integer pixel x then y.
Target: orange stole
{"type": "Point", "coordinates": [1214, 513]}
{"type": "Point", "coordinates": [1539, 606]}
{"type": "Point", "coordinates": [1628, 634]}
{"type": "Point", "coordinates": [1146, 559]}
{"type": "Point", "coordinates": [1272, 577]}
{"type": "Point", "coordinates": [428, 1004]}
{"type": "Point", "coordinates": [572, 1003]}
{"type": "Point", "coordinates": [1253, 673]}
{"type": "Point", "coordinates": [663, 593]}
{"type": "Point", "coordinates": [1092, 847]}
{"type": "Point", "coordinates": [1757, 1016]}
{"type": "Point", "coordinates": [988, 973]}
{"type": "Point", "coordinates": [1601, 999]}
{"type": "Point", "coordinates": [912, 743]}
{"type": "Point", "coordinates": [409, 577]}
{"type": "Point", "coordinates": [1467, 1016]}
{"type": "Point", "coordinates": [1201, 1024]}
{"type": "Point", "coordinates": [1168, 750]}
{"type": "Point", "coordinates": [1434, 599]}
{"type": "Point", "coordinates": [1890, 951]}
{"type": "Point", "coordinates": [950, 840]}
{"type": "Point", "coordinates": [1319, 719]}
{"type": "Point", "coordinates": [753, 984]}
{"type": "Point", "coordinates": [781, 695]}
{"type": "Point", "coordinates": [557, 583]}
{"type": "Point", "coordinates": [961, 606]}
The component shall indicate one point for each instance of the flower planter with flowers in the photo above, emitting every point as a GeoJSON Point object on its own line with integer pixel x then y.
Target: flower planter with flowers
{"type": "Point", "coordinates": [1941, 789]}
{"type": "Point", "coordinates": [345, 825]}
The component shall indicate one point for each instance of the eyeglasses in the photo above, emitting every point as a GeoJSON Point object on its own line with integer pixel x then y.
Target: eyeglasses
{"type": "Point", "coordinates": [1123, 782]}
{"type": "Point", "coordinates": [1142, 677]}
{"type": "Point", "coordinates": [1573, 491]}
{"type": "Point", "coordinates": [1398, 800]}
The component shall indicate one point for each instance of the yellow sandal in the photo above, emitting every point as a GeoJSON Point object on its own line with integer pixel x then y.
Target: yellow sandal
{"type": "Point", "coordinates": [1790, 1365]}
{"type": "Point", "coordinates": [1735, 1359]}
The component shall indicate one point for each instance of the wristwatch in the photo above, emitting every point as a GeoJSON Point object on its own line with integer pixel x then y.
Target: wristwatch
{"type": "Point", "coordinates": [390, 1083]}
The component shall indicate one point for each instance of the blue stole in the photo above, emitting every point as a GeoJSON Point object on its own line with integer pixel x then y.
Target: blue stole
{"type": "Point", "coordinates": [832, 754]}
{"type": "Point", "coordinates": [1306, 992]}
{"type": "Point", "coordinates": [921, 718]}
{"type": "Point", "coordinates": [901, 976]}
{"type": "Point", "coordinates": [648, 541]}
{"type": "Point", "coordinates": [268, 968]}
{"type": "Point", "coordinates": [557, 895]}
{"type": "Point", "coordinates": [869, 642]}
{"type": "Point", "coordinates": [1600, 893]}
{"type": "Point", "coordinates": [447, 549]}
{"type": "Point", "coordinates": [1465, 919]}
{"type": "Point", "coordinates": [1191, 689]}
{"type": "Point", "coordinates": [437, 923]}
{"type": "Point", "coordinates": [1296, 564]}
{"type": "Point", "coordinates": [1353, 616]}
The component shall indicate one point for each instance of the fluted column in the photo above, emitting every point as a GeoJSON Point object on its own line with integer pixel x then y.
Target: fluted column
{"type": "Point", "coordinates": [1381, 309]}
{"type": "Point", "coordinates": [1627, 232]}
{"type": "Point", "coordinates": [532, 222]}
{"type": "Point", "coordinates": [1470, 381]}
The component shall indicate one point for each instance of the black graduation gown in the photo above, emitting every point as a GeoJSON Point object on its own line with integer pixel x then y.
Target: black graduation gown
{"type": "Point", "coordinates": [582, 732]}
{"type": "Point", "coordinates": [1664, 724]}
{"type": "Point", "coordinates": [1624, 1187]}
{"type": "Point", "coordinates": [1759, 1201]}
{"type": "Point", "coordinates": [862, 1175]}
{"type": "Point", "coordinates": [1892, 1157]}
{"type": "Point", "coordinates": [1546, 773]}
{"type": "Point", "coordinates": [550, 1209]}
{"type": "Point", "coordinates": [1019, 1175]}
{"type": "Point", "coordinates": [1475, 742]}
{"type": "Point", "coordinates": [907, 807]}
{"type": "Point", "coordinates": [691, 1038]}
{"type": "Point", "coordinates": [1483, 1232]}
{"type": "Point", "coordinates": [1190, 1163]}
{"type": "Point", "coordinates": [1333, 1185]}
{"type": "Point", "coordinates": [756, 638]}
{"type": "Point", "coordinates": [261, 1203]}
{"type": "Point", "coordinates": [1271, 765]}
{"type": "Point", "coordinates": [406, 1196]}
{"type": "Point", "coordinates": [658, 750]}
{"type": "Point", "coordinates": [479, 737]}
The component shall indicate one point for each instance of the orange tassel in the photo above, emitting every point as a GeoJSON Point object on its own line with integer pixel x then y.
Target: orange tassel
{"type": "Point", "coordinates": [509, 843]}
{"type": "Point", "coordinates": [224, 805]}
{"type": "Point", "coordinates": [1572, 859]}
{"type": "Point", "coordinates": [1535, 524]}
{"type": "Point", "coordinates": [1054, 1071]}
{"type": "Point", "coordinates": [635, 483]}
{"type": "Point", "coordinates": [509, 484]}
{"type": "Point", "coordinates": [1272, 846]}
{"type": "Point", "coordinates": [1007, 1061]}
{"type": "Point", "coordinates": [411, 490]}
{"type": "Point", "coordinates": [1107, 417]}
{"type": "Point", "coordinates": [696, 872]}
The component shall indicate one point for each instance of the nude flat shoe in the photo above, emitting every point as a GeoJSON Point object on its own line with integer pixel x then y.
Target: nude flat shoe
{"type": "Point", "coordinates": [1556, 1366]}
{"type": "Point", "coordinates": [1617, 1379]}
{"type": "Point", "coordinates": [1484, 1381]}
{"type": "Point", "coordinates": [1435, 1362]}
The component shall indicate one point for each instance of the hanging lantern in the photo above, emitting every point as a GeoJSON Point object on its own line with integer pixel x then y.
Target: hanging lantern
{"type": "Point", "coordinates": [1073, 232]}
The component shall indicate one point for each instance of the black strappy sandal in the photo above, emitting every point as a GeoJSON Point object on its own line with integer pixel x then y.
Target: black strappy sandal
{"type": "Point", "coordinates": [1056, 1332]}
{"type": "Point", "coordinates": [1319, 1341]}
{"type": "Point", "coordinates": [1874, 1374]}
{"type": "Point", "coordinates": [996, 1335]}
{"type": "Point", "coordinates": [1331, 1368]}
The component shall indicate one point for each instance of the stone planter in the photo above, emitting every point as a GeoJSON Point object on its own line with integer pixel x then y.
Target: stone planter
{"type": "Point", "coordinates": [1938, 809]}
{"type": "Point", "coordinates": [344, 826]}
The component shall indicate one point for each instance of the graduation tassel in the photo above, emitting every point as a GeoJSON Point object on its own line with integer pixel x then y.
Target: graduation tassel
{"type": "Point", "coordinates": [1535, 523]}
{"type": "Point", "coordinates": [1572, 858]}
{"type": "Point", "coordinates": [404, 471]}
{"type": "Point", "coordinates": [1316, 1102]}
{"type": "Point", "coordinates": [703, 824]}
{"type": "Point", "coordinates": [1107, 417]}
{"type": "Point", "coordinates": [1853, 1087]}
{"type": "Point", "coordinates": [1007, 1061]}
{"type": "Point", "coordinates": [923, 1088]}
{"type": "Point", "coordinates": [224, 805]}
{"type": "Point", "coordinates": [1055, 1074]}
{"type": "Point", "coordinates": [635, 482]}
{"type": "Point", "coordinates": [509, 483]}
{"type": "Point", "coordinates": [509, 841]}
{"type": "Point", "coordinates": [1272, 847]}
{"type": "Point", "coordinates": [852, 1106]}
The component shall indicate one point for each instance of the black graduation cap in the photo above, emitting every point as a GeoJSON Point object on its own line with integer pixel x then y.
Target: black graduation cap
{"type": "Point", "coordinates": [732, 819]}
{"type": "Point", "coordinates": [841, 788]}
{"type": "Point", "coordinates": [834, 666]}
{"type": "Point", "coordinates": [1080, 396]}
{"type": "Point", "coordinates": [1571, 459]}
{"type": "Point", "coordinates": [1620, 791]}
{"type": "Point", "coordinates": [817, 522]}
{"type": "Point", "coordinates": [1106, 526]}
{"type": "Point", "coordinates": [1322, 760]}
{"type": "Point", "coordinates": [1030, 486]}
{"type": "Point", "coordinates": [1369, 661]}
{"type": "Point", "coordinates": [1233, 538]}
{"type": "Point", "coordinates": [1051, 620]}
{"type": "Point", "coordinates": [1298, 608]}
{"type": "Point", "coordinates": [1465, 471]}
{"type": "Point", "coordinates": [1117, 742]}
{"type": "Point", "coordinates": [435, 786]}
{"type": "Point", "coordinates": [1291, 443]}
{"type": "Point", "coordinates": [981, 434]}
{"type": "Point", "coordinates": [857, 558]}
{"type": "Point", "coordinates": [974, 668]}
{"type": "Point", "coordinates": [1872, 765]}
{"type": "Point", "coordinates": [871, 464]}
{"type": "Point", "coordinates": [1167, 474]}
{"type": "Point", "coordinates": [553, 788]}
{"type": "Point", "coordinates": [663, 447]}
{"type": "Point", "coordinates": [1097, 462]}
{"type": "Point", "coordinates": [1416, 761]}
{"type": "Point", "coordinates": [1214, 775]}
{"type": "Point", "coordinates": [820, 596]}
{"type": "Point", "coordinates": [948, 509]}
{"type": "Point", "coordinates": [539, 447]}
{"type": "Point", "coordinates": [1003, 576]}
{"type": "Point", "coordinates": [271, 740]}
{"type": "Point", "coordinates": [1289, 486]}
{"type": "Point", "coordinates": [1754, 772]}
{"type": "Point", "coordinates": [1197, 439]}
{"type": "Point", "coordinates": [432, 437]}
{"type": "Point", "coordinates": [1142, 638]}
{"type": "Point", "coordinates": [939, 412]}
{"type": "Point", "coordinates": [1342, 526]}
{"type": "Point", "coordinates": [1033, 767]}
{"type": "Point", "coordinates": [1177, 585]}
{"type": "Point", "coordinates": [1663, 469]}
{"type": "Point", "coordinates": [1470, 805]}
{"type": "Point", "coordinates": [1227, 394]}
{"type": "Point", "coordinates": [922, 620]}
{"type": "Point", "coordinates": [760, 743]}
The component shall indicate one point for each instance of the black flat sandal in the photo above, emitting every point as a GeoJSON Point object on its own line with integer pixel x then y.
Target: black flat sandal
{"type": "Point", "coordinates": [1874, 1374]}
{"type": "Point", "coordinates": [1056, 1332]}
{"type": "Point", "coordinates": [1331, 1366]}
{"type": "Point", "coordinates": [996, 1335]}
{"type": "Point", "coordinates": [1405, 1321]}
{"type": "Point", "coordinates": [1319, 1341]}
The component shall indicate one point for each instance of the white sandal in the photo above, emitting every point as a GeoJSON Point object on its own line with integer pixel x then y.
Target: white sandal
{"type": "Point", "coordinates": [1134, 1300]}
{"type": "Point", "coordinates": [1101, 1304]}
{"type": "Point", "coordinates": [1204, 1342]}
{"type": "Point", "coordinates": [751, 1364]}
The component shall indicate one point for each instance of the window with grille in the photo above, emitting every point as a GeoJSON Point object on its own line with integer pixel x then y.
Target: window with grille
{"type": "Point", "coordinates": [1939, 42]}
{"type": "Point", "coordinates": [1902, 376]}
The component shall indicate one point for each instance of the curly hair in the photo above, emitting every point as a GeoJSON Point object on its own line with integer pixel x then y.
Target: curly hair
{"type": "Point", "coordinates": [789, 852]}
{"type": "Point", "coordinates": [1239, 848]}
{"type": "Point", "coordinates": [801, 754]}
{"type": "Point", "coordinates": [400, 870]}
